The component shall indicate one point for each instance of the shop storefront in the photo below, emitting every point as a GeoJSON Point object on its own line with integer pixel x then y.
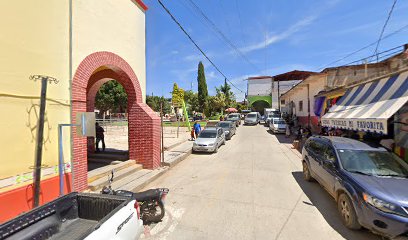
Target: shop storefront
{"type": "Point", "coordinates": [401, 132]}
{"type": "Point", "coordinates": [373, 107]}
{"type": "Point", "coordinates": [325, 100]}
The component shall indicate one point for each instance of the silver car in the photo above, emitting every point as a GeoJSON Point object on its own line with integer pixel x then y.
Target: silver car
{"type": "Point", "coordinates": [277, 125]}
{"type": "Point", "coordinates": [228, 127]}
{"type": "Point", "coordinates": [209, 140]}
{"type": "Point", "coordinates": [235, 117]}
{"type": "Point", "coordinates": [252, 118]}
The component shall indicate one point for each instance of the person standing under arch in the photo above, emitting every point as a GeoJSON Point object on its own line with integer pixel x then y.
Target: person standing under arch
{"type": "Point", "coordinates": [100, 136]}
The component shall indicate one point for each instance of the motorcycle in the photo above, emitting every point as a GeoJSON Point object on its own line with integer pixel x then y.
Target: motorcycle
{"type": "Point", "coordinates": [151, 201]}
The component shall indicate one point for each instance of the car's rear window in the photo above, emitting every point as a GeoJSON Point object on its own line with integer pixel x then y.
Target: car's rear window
{"type": "Point", "coordinates": [208, 134]}
{"type": "Point", "coordinates": [224, 124]}
{"type": "Point", "coordinates": [252, 115]}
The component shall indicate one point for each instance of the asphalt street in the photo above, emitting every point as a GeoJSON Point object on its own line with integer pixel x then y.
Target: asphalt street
{"type": "Point", "coordinates": [251, 189]}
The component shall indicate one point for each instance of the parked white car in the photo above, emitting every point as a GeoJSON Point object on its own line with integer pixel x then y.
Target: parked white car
{"type": "Point", "coordinates": [277, 125]}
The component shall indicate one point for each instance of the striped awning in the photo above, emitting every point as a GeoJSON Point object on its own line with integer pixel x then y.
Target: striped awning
{"type": "Point", "coordinates": [367, 107]}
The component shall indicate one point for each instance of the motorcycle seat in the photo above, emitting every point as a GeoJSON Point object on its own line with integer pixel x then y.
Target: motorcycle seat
{"type": "Point", "coordinates": [147, 195]}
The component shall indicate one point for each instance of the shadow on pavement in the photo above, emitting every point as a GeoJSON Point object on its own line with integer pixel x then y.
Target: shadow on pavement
{"type": "Point", "coordinates": [203, 153]}
{"type": "Point", "coordinates": [326, 205]}
{"type": "Point", "coordinates": [282, 138]}
{"type": "Point", "coordinates": [108, 157]}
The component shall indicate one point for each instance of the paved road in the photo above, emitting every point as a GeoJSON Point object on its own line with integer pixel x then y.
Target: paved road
{"type": "Point", "coordinates": [251, 189]}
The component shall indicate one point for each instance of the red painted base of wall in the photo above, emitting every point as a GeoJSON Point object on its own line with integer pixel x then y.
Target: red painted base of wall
{"type": "Point", "coordinates": [20, 200]}
{"type": "Point", "coordinates": [314, 122]}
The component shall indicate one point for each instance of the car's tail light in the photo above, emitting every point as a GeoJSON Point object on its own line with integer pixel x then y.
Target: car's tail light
{"type": "Point", "coordinates": [137, 207]}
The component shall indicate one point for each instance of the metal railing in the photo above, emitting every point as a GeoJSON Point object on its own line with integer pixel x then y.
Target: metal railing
{"type": "Point", "coordinates": [110, 123]}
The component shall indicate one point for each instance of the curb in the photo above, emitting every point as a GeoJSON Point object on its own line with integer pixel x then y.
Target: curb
{"type": "Point", "coordinates": [295, 151]}
{"type": "Point", "coordinates": [178, 159]}
{"type": "Point", "coordinates": [148, 181]}
{"type": "Point", "coordinates": [174, 145]}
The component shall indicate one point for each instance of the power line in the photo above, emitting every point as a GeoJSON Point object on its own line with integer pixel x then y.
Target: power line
{"type": "Point", "coordinates": [195, 44]}
{"type": "Point", "coordinates": [363, 48]}
{"type": "Point", "coordinates": [400, 48]}
{"type": "Point", "coordinates": [383, 29]}
{"type": "Point", "coordinates": [223, 36]}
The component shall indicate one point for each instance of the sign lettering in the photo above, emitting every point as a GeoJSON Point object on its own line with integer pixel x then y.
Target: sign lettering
{"type": "Point", "coordinates": [372, 125]}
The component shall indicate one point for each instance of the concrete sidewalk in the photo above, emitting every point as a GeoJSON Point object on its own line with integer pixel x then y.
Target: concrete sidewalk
{"type": "Point", "coordinates": [178, 153]}
{"type": "Point", "coordinates": [170, 139]}
{"type": "Point", "coordinates": [116, 137]}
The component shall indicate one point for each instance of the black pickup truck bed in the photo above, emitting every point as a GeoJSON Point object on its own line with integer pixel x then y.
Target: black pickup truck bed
{"type": "Point", "coordinates": [73, 216]}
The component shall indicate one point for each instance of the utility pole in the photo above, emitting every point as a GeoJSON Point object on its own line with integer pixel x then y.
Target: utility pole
{"type": "Point", "coordinates": [271, 92]}
{"type": "Point", "coordinates": [40, 134]}
{"type": "Point", "coordinates": [308, 105]}
{"type": "Point", "coordinates": [178, 123]}
{"type": "Point", "coordinates": [162, 133]}
{"type": "Point", "coordinates": [279, 106]}
{"type": "Point", "coordinates": [226, 95]}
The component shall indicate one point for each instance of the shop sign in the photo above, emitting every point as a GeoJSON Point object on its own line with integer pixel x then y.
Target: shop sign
{"type": "Point", "coordinates": [371, 125]}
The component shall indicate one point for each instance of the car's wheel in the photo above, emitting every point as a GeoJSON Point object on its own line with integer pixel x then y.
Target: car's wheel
{"type": "Point", "coordinates": [347, 212]}
{"type": "Point", "coordinates": [306, 172]}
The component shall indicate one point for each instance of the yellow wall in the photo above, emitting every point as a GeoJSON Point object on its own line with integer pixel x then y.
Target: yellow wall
{"type": "Point", "coordinates": [33, 40]}
{"type": "Point", "coordinates": [116, 26]}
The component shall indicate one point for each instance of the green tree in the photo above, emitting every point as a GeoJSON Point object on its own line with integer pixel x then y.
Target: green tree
{"type": "Point", "coordinates": [202, 88]}
{"type": "Point", "coordinates": [240, 107]}
{"type": "Point", "coordinates": [229, 95]}
{"type": "Point", "coordinates": [111, 96]}
{"type": "Point", "coordinates": [155, 101]}
{"type": "Point", "coordinates": [216, 104]}
{"type": "Point", "coordinates": [177, 96]}
{"type": "Point", "coordinates": [191, 100]}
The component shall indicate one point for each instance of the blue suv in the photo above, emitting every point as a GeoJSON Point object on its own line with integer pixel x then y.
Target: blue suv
{"type": "Point", "coordinates": [369, 184]}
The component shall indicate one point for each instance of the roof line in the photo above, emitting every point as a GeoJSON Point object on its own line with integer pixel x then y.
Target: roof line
{"type": "Point", "coordinates": [141, 4]}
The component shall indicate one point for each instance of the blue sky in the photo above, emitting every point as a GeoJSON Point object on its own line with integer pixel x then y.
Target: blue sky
{"type": "Point", "coordinates": [275, 36]}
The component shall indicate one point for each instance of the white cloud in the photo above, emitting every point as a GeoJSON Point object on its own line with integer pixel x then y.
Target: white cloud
{"type": "Point", "coordinates": [185, 75]}
{"type": "Point", "coordinates": [291, 30]}
{"type": "Point", "coordinates": [193, 58]}
{"type": "Point", "coordinates": [281, 36]}
{"type": "Point", "coordinates": [211, 75]}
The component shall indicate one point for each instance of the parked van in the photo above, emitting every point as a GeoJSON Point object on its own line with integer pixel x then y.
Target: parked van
{"type": "Point", "coordinates": [277, 125]}
{"type": "Point", "coordinates": [252, 118]}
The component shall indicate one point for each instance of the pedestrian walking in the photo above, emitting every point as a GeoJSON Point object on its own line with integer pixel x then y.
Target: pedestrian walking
{"type": "Point", "coordinates": [100, 137]}
{"type": "Point", "coordinates": [197, 128]}
{"type": "Point", "coordinates": [287, 130]}
{"type": "Point", "coordinates": [193, 137]}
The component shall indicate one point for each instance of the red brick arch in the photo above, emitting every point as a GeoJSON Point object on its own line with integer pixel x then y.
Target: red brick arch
{"type": "Point", "coordinates": [144, 124]}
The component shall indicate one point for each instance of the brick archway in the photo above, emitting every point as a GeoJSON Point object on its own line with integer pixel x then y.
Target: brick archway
{"type": "Point", "coordinates": [144, 124]}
